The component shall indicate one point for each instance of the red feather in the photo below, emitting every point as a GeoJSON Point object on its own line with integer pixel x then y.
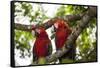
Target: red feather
{"type": "Point", "coordinates": [41, 44]}
{"type": "Point", "coordinates": [62, 33]}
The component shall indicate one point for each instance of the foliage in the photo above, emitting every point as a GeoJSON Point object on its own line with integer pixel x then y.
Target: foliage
{"type": "Point", "coordinates": [22, 42]}
{"type": "Point", "coordinates": [86, 43]}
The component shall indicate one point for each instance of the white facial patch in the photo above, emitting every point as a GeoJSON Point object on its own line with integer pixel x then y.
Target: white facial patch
{"type": "Point", "coordinates": [56, 25]}
{"type": "Point", "coordinates": [38, 31]}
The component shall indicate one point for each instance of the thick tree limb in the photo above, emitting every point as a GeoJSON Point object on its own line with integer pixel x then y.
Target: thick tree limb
{"type": "Point", "coordinates": [23, 27]}
{"type": "Point", "coordinates": [49, 23]}
{"type": "Point", "coordinates": [90, 14]}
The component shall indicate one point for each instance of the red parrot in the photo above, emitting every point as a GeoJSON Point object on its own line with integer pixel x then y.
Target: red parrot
{"type": "Point", "coordinates": [62, 31]}
{"type": "Point", "coordinates": [42, 47]}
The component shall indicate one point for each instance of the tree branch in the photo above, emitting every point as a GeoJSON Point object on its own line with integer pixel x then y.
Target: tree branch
{"type": "Point", "coordinates": [49, 23]}
{"type": "Point", "coordinates": [23, 27]}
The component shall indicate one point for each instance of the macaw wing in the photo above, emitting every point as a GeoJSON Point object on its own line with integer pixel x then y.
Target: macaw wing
{"type": "Point", "coordinates": [34, 54]}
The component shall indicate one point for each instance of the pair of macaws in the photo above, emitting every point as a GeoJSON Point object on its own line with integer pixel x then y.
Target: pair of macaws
{"type": "Point", "coordinates": [42, 46]}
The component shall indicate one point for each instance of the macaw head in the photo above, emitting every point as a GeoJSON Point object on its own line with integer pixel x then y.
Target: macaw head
{"type": "Point", "coordinates": [35, 31]}
{"type": "Point", "coordinates": [59, 24]}
{"type": "Point", "coordinates": [39, 31]}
